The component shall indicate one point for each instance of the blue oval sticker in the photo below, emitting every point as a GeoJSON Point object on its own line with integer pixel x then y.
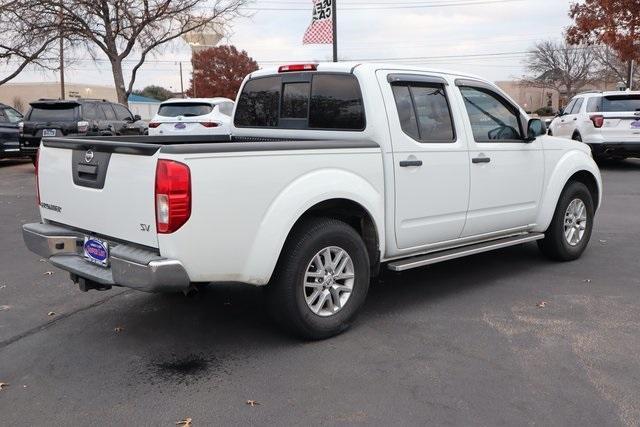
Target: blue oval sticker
{"type": "Point", "coordinates": [95, 250]}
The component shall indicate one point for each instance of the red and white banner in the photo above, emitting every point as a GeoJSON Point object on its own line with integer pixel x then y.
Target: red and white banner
{"type": "Point", "coordinates": [321, 29]}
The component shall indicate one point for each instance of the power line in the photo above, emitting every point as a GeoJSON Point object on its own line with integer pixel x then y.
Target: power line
{"type": "Point", "coordinates": [382, 6]}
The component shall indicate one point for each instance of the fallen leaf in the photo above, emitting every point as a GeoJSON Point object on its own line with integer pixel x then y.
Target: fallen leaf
{"type": "Point", "coordinates": [586, 281]}
{"type": "Point", "coordinates": [3, 385]}
{"type": "Point", "coordinates": [43, 260]}
{"type": "Point", "coordinates": [186, 422]}
{"type": "Point", "coordinates": [253, 402]}
{"type": "Point", "coordinates": [5, 307]}
{"type": "Point", "coordinates": [118, 329]}
{"type": "Point", "coordinates": [48, 273]}
{"type": "Point", "coordinates": [51, 313]}
{"type": "Point", "coordinates": [541, 304]}
{"type": "Point", "coordinates": [3, 286]}
{"type": "Point", "coordinates": [604, 242]}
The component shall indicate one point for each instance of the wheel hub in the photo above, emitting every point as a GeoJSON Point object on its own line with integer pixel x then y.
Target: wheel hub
{"type": "Point", "coordinates": [328, 281]}
{"type": "Point", "coordinates": [575, 222]}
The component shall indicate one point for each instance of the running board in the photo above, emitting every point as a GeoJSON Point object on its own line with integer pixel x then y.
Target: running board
{"type": "Point", "coordinates": [436, 257]}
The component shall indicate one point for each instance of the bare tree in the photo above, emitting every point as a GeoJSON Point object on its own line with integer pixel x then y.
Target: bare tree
{"type": "Point", "coordinates": [120, 28]}
{"type": "Point", "coordinates": [611, 67]}
{"type": "Point", "coordinates": [565, 68]}
{"type": "Point", "coordinates": [29, 32]}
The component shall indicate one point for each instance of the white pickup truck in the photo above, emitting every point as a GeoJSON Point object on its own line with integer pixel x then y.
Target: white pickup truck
{"type": "Point", "coordinates": [332, 171]}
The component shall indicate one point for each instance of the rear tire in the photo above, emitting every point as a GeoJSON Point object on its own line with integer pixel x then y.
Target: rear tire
{"type": "Point", "coordinates": [570, 230]}
{"type": "Point", "coordinates": [321, 280]}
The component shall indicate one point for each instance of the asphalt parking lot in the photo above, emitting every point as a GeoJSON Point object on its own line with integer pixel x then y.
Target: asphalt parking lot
{"type": "Point", "coordinates": [458, 343]}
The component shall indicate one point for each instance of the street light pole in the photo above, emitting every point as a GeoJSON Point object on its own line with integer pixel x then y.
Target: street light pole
{"type": "Point", "coordinates": [62, 91]}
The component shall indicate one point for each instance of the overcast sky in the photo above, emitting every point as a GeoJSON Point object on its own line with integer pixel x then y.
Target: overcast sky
{"type": "Point", "coordinates": [485, 39]}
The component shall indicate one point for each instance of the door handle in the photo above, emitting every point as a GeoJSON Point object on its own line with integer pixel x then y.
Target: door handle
{"type": "Point", "coordinates": [408, 163]}
{"type": "Point", "coordinates": [575, 119]}
{"type": "Point", "coordinates": [481, 159]}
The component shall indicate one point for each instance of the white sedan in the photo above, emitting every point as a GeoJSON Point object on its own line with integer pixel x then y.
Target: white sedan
{"type": "Point", "coordinates": [194, 116]}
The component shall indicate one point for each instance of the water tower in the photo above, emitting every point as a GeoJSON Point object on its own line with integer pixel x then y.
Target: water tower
{"type": "Point", "coordinates": [205, 37]}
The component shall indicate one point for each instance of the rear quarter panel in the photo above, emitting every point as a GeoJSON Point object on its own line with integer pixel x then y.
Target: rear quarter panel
{"type": "Point", "coordinates": [245, 204]}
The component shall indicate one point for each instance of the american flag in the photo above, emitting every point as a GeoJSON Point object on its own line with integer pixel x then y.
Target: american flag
{"type": "Point", "coordinates": [321, 29]}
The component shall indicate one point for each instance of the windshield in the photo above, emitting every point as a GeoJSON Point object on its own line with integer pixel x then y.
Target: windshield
{"type": "Point", "coordinates": [621, 103]}
{"type": "Point", "coordinates": [53, 113]}
{"type": "Point", "coordinates": [185, 109]}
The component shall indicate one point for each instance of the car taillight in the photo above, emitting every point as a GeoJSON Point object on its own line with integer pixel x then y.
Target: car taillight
{"type": "Point", "coordinates": [153, 125]}
{"type": "Point", "coordinates": [598, 121]}
{"type": "Point", "coordinates": [173, 196]}
{"type": "Point", "coordinates": [37, 165]}
{"type": "Point", "coordinates": [83, 127]}
{"type": "Point", "coordinates": [209, 124]}
{"type": "Point", "coordinates": [298, 67]}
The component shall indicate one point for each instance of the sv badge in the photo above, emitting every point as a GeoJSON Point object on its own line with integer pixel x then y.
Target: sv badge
{"type": "Point", "coordinates": [145, 227]}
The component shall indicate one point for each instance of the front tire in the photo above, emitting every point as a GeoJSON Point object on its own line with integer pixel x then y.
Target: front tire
{"type": "Point", "coordinates": [321, 279]}
{"type": "Point", "coordinates": [570, 230]}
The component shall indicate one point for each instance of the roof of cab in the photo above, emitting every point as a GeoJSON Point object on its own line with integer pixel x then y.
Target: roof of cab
{"type": "Point", "coordinates": [215, 100]}
{"type": "Point", "coordinates": [350, 66]}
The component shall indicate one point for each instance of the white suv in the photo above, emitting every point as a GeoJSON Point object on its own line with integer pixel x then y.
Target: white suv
{"type": "Point", "coordinates": [194, 116]}
{"type": "Point", "coordinates": [609, 122]}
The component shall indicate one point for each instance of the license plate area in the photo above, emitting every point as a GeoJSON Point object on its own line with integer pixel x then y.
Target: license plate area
{"type": "Point", "coordinates": [96, 251]}
{"type": "Point", "coordinates": [48, 132]}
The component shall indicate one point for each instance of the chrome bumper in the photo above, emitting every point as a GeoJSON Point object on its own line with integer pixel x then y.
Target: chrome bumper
{"type": "Point", "coordinates": [130, 267]}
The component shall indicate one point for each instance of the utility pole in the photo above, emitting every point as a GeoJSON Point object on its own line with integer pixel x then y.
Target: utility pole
{"type": "Point", "coordinates": [62, 91]}
{"type": "Point", "coordinates": [334, 18]}
{"type": "Point", "coordinates": [181, 82]}
{"type": "Point", "coordinates": [630, 77]}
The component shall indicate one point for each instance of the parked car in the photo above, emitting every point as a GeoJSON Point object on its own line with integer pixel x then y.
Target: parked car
{"type": "Point", "coordinates": [86, 117]}
{"type": "Point", "coordinates": [10, 120]}
{"type": "Point", "coordinates": [609, 122]}
{"type": "Point", "coordinates": [194, 116]}
{"type": "Point", "coordinates": [333, 171]}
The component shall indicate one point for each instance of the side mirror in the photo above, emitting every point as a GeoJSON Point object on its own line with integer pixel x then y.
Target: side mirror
{"type": "Point", "coordinates": [137, 117]}
{"type": "Point", "coordinates": [535, 128]}
{"type": "Point", "coordinates": [560, 113]}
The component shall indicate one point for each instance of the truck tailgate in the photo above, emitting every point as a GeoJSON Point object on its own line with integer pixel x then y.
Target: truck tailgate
{"type": "Point", "coordinates": [106, 190]}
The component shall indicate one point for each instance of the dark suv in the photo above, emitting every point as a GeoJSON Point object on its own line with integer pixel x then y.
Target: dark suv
{"type": "Point", "coordinates": [9, 125]}
{"type": "Point", "coordinates": [86, 117]}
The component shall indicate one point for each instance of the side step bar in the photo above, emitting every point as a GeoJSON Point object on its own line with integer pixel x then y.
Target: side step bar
{"type": "Point", "coordinates": [446, 255]}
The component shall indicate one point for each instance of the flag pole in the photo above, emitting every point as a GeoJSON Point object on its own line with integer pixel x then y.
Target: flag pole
{"type": "Point", "coordinates": [334, 18]}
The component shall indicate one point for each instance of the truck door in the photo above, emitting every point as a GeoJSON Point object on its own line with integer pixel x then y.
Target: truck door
{"type": "Point", "coordinates": [430, 160]}
{"type": "Point", "coordinates": [507, 173]}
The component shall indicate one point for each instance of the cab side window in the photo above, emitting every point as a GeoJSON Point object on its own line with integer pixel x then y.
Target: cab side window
{"type": "Point", "coordinates": [90, 111]}
{"type": "Point", "coordinates": [492, 118]}
{"type": "Point", "coordinates": [423, 110]}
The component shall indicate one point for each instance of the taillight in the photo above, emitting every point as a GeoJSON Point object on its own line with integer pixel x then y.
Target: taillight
{"type": "Point", "coordinates": [153, 125]}
{"type": "Point", "coordinates": [209, 124]}
{"type": "Point", "coordinates": [83, 127]}
{"type": "Point", "coordinates": [173, 195]}
{"type": "Point", "coordinates": [298, 67]}
{"type": "Point", "coordinates": [37, 165]}
{"type": "Point", "coordinates": [598, 121]}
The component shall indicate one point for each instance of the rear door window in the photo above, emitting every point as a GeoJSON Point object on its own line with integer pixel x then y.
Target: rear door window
{"type": "Point", "coordinates": [621, 103]}
{"type": "Point", "coordinates": [577, 106]}
{"type": "Point", "coordinates": [424, 112]}
{"type": "Point", "coordinates": [185, 109]}
{"type": "Point", "coordinates": [108, 112]}
{"type": "Point", "coordinates": [53, 113]}
{"type": "Point", "coordinates": [91, 111]}
{"type": "Point", "coordinates": [122, 113]}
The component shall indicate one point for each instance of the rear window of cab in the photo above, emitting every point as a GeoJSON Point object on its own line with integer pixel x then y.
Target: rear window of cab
{"type": "Point", "coordinates": [319, 101]}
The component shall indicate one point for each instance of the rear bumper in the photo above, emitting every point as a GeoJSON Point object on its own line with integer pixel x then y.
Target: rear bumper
{"type": "Point", "coordinates": [130, 267]}
{"type": "Point", "coordinates": [616, 149]}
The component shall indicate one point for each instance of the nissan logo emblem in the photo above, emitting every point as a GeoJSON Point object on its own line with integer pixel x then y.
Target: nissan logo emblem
{"type": "Point", "coordinates": [88, 156]}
